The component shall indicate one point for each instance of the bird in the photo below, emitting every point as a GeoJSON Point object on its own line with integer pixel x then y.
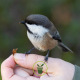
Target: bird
{"type": "Point", "coordinates": [43, 34]}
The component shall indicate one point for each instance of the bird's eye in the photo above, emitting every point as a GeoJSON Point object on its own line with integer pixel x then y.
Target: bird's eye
{"type": "Point", "coordinates": [30, 22]}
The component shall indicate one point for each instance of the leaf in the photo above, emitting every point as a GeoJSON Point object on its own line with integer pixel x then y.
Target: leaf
{"type": "Point", "coordinates": [37, 65]}
{"type": "Point", "coordinates": [42, 64]}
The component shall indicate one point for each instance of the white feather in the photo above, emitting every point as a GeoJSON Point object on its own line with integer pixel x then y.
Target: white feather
{"type": "Point", "coordinates": [38, 29]}
{"type": "Point", "coordinates": [35, 41]}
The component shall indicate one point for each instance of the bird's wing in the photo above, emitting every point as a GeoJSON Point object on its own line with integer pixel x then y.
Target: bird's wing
{"type": "Point", "coordinates": [56, 36]}
{"type": "Point", "coordinates": [54, 33]}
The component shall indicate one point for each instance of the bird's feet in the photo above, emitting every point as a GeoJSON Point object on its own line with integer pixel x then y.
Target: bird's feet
{"type": "Point", "coordinates": [29, 52]}
{"type": "Point", "coordinates": [46, 57]}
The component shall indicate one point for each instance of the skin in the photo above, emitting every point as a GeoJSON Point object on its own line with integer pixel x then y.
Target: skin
{"type": "Point", "coordinates": [57, 68]}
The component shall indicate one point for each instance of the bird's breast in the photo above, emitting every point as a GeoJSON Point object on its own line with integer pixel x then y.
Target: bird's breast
{"type": "Point", "coordinates": [42, 43]}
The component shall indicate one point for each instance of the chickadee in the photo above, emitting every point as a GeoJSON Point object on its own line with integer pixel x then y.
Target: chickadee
{"type": "Point", "coordinates": [43, 34]}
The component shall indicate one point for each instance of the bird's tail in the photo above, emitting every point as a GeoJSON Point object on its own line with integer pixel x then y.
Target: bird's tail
{"type": "Point", "coordinates": [65, 48]}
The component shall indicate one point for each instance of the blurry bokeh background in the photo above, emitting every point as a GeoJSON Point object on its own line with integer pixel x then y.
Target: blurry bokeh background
{"type": "Point", "coordinates": [65, 14]}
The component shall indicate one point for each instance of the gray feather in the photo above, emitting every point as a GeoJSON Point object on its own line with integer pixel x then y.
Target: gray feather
{"type": "Point", "coordinates": [54, 33]}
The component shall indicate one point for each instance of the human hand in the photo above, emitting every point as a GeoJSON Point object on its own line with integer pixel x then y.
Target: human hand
{"type": "Point", "coordinates": [57, 68]}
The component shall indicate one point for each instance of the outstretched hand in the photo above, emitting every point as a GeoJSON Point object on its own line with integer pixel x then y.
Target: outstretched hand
{"type": "Point", "coordinates": [57, 68]}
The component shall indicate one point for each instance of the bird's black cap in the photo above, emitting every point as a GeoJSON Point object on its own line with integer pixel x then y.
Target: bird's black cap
{"type": "Point", "coordinates": [38, 20]}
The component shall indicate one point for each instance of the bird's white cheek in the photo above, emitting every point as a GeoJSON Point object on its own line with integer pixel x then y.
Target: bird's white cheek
{"type": "Point", "coordinates": [38, 29]}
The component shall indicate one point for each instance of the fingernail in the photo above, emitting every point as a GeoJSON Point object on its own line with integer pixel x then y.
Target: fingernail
{"type": "Point", "coordinates": [19, 56]}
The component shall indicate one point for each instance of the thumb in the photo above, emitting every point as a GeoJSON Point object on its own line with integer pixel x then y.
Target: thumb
{"type": "Point", "coordinates": [27, 61]}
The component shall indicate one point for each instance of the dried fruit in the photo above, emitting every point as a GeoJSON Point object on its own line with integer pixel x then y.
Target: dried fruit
{"type": "Point", "coordinates": [14, 51]}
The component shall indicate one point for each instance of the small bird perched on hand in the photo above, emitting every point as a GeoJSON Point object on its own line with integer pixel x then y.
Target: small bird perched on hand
{"type": "Point", "coordinates": [43, 34]}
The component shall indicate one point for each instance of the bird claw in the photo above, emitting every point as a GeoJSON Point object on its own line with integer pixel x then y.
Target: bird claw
{"type": "Point", "coordinates": [46, 58]}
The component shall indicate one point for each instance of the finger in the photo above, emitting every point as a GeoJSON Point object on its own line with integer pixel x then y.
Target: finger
{"type": "Point", "coordinates": [22, 71]}
{"type": "Point", "coordinates": [7, 67]}
{"type": "Point", "coordinates": [27, 61]}
{"type": "Point", "coordinates": [7, 70]}
{"type": "Point", "coordinates": [51, 77]}
{"type": "Point", "coordinates": [46, 77]}
{"type": "Point", "coordinates": [32, 78]}
{"type": "Point", "coordinates": [16, 77]}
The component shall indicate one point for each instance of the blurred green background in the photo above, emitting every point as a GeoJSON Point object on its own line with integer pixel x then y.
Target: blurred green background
{"type": "Point", "coordinates": [65, 14]}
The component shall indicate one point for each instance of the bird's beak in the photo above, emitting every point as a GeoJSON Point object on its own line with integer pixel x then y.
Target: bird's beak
{"type": "Point", "coordinates": [22, 22]}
